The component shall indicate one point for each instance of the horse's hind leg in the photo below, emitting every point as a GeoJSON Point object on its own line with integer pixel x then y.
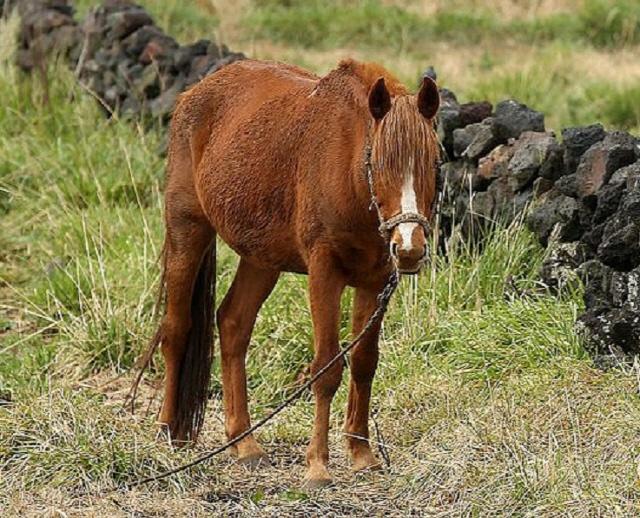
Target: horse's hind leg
{"type": "Point", "coordinates": [364, 359]}
{"type": "Point", "coordinates": [189, 277]}
{"type": "Point", "coordinates": [186, 243]}
{"type": "Point", "coordinates": [236, 318]}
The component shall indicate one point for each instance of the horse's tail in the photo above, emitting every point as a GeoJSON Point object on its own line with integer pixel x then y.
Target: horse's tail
{"type": "Point", "coordinates": [195, 368]}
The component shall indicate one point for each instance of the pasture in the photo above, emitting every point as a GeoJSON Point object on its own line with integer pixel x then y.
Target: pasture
{"type": "Point", "coordinates": [485, 400]}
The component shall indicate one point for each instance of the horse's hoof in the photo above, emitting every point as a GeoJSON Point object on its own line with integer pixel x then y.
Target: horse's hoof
{"type": "Point", "coordinates": [317, 477]}
{"type": "Point", "coordinates": [254, 460]}
{"type": "Point", "coordinates": [313, 484]}
{"type": "Point", "coordinates": [366, 463]}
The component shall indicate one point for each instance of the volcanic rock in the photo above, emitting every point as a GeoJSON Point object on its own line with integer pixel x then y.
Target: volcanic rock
{"type": "Point", "coordinates": [577, 140]}
{"type": "Point", "coordinates": [512, 118]}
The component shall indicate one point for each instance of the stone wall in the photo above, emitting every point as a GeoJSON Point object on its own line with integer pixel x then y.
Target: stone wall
{"type": "Point", "coordinates": [117, 52]}
{"type": "Point", "coordinates": [580, 193]}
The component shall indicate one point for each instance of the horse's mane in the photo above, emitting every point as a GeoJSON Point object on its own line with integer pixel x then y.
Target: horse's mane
{"type": "Point", "coordinates": [369, 73]}
{"type": "Point", "coordinates": [404, 141]}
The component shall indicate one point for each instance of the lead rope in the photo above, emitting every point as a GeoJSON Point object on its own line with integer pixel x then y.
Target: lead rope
{"type": "Point", "coordinates": [383, 301]}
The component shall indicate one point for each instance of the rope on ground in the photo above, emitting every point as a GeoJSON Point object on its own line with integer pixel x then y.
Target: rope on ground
{"type": "Point", "coordinates": [383, 301]}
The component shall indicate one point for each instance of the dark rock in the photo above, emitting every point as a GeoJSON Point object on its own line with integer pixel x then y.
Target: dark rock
{"type": "Point", "coordinates": [158, 50]}
{"type": "Point", "coordinates": [453, 116]}
{"type": "Point", "coordinates": [512, 118]}
{"type": "Point", "coordinates": [553, 167]}
{"type": "Point", "coordinates": [135, 43]}
{"type": "Point", "coordinates": [568, 185]}
{"type": "Point", "coordinates": [597, 279]}
{"type": "Point", "coordinates": [122, 23]}
{"type": "Point", "coordinates": [458, 176]}
{"type": "Point", "coordinates": [462, 137]}
{"type": "Point", "coordinates": [447, 97]}
{"type": "Point", "coordinates": [471, 113]}
{"type": "Point", "coordinates": [624, 173]}
{"type": "Point", "coordinates": [148, 84]}
{"type": "Point", "coordinates": [592, 237]}
{"type": "Point", "coordinates": [577, 140]}
{"type": "Point", "coordinates": [625, 289]}
{"type": "Point", "coordinates": [541, 185]}
{"type": "Point", "coordinates": [614, 330]}
{"type": "Point", "coordinates": [448, 122]}
{"type": "Point", "coordinates": [607, 201]}
{"type": "Point", "coordinates": [482, 140]}
{"type": "Point", "coordinates": [620, 247]}
{"type": "Point", "coordinates": [602, 159]}
{"type": "Point", "coordinates": [184, 55]}
{"type": "Point", "coordinates": [557, 211]}
{"type": "Point", "coordinates": [162, 106]}
{"type": "Point", "coordinates": [530, 151]}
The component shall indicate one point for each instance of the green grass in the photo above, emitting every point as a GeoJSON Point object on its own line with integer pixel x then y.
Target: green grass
{"type": "Point", "coordinates": [313, 23]}
{"type": "Point", "coordinates": [485, 396]}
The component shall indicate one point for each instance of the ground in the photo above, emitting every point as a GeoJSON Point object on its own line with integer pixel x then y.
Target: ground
{"type": "Point", "coordinates": [485, 400]}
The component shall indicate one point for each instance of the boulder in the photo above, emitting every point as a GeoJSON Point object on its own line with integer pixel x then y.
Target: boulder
{"type": "Point", "coordinates": [553, 167]}
{"type": "Point", "coordinates": [558, 211]}
{"type": "Point", "coordinates": [568, 185]}
{"type": "Point", "coordinates": [620, 247]}
{"type": "Point", "coordinates": [607, 201]}
{"type": "Point", "coordinates": [471, 113]}
{"type": "Point", "coordinates": [559, 267]}
{"type": "Point", "coordinates": [602, 159]}
{"type": "Point", "coordinates": [496, 163]}
{"type": "Point", "coordinates": [577, 140]}
{"type": "Point", "coordinates": [623, 174]}
{"type": "Point", "coordinates": [482, 141]}
{"type": "Point", "coordinates": [530, 152]}
{"type": "Point", "coordinates": [120, 24]}
{"type": "Point", "coordinates": [614, 331]}
{"type": "Point", "coordinates": [512, 118]}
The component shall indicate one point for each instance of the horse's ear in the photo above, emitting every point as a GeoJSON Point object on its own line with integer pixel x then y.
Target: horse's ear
{"type": "Point", "coordinates": [379, 99]}
{"type": "Point", "coordinates": [428, 98]}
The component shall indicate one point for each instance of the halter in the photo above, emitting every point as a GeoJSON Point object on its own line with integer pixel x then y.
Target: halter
{"type": "Point", "coordinates": [386, 226]}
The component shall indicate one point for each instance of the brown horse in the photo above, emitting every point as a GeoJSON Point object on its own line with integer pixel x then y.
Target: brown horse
{"type": "Point", "coordinates": [274, 160]}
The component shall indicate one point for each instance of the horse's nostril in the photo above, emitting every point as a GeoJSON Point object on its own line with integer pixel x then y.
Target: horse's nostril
{"type": "Point", "coordinates": [394, 249]}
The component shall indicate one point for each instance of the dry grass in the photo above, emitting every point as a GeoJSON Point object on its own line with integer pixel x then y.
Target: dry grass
{"type": "Point", "coordinates": [506, 9]}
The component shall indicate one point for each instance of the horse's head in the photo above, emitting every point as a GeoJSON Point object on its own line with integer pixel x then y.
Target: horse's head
{"type": "Point", "coordinates": [404, 155]}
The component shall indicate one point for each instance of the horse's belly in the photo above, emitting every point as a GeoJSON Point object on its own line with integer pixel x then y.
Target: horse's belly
{"type": "Point", "coordinates": [255, 218]}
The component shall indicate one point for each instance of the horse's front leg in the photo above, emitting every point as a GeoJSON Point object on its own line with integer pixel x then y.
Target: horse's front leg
{"type": "Point", "coordinates": [326, 284]}
{"type": "Point", "coordinates": [364, 360]}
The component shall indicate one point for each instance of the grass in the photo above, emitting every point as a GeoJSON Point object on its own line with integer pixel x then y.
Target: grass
{"type": "Point", "coordinates": [485, 397]}
{"type": "Point", "coordinates": [312, 23]}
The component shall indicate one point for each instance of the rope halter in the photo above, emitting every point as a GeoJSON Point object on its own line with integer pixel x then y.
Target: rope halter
{"type": "Point", "coordinates": [386, 226]}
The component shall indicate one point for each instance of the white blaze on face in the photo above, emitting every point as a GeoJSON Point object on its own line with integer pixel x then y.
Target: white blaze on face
{"type": "Point", "coordinates": [408, 203]}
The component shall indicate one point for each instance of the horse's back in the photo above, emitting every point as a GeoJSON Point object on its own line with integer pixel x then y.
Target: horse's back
{"type": "Point", "coordinates": [236, 90]}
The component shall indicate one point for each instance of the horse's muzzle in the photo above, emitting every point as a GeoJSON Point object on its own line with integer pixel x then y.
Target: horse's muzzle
{"type": "Point", "coordinates": [408, 261]}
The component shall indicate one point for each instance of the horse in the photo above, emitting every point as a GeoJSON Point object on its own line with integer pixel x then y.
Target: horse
{"type": "Point", "coordinates": [295, 173]}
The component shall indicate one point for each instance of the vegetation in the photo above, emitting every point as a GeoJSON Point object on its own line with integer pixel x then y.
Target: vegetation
{"type": "Point", "coordinates": [485, 397]}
